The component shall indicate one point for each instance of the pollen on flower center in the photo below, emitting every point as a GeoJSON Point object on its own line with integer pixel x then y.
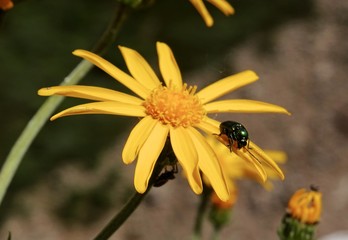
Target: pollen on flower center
{"type": "Point", "coordinates": [175, 107]}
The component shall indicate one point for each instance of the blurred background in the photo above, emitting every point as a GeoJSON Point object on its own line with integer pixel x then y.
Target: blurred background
{"type": "Point", "coordinates": [72, 179]}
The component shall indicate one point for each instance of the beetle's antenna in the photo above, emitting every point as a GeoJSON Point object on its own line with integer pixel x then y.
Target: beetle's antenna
{"type": "Point", "coordinates": [247, 149]}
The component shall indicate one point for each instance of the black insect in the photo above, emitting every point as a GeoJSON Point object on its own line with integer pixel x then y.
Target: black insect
{"type": "Point", "coordinates": [235, 132]}
{"type": "Point", "coordinates": [167, 175]}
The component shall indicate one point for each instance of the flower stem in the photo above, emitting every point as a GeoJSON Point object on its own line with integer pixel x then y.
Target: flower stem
{"type": "Point", "coordinates": [201, 212]}
{"type": "Point", "coordinates": [36, 123]}
{"type": "Point", "coordinates": [116, 222]}
{"type": "Point", "coordinates": [121, 216]}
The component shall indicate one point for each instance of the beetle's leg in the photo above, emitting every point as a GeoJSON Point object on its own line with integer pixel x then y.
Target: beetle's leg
{"type": "Point", "coordinates": [230, 142]}
{"type": "Point", "coordinates": [248, 144]}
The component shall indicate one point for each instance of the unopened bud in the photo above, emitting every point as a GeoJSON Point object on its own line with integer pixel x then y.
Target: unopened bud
{"type": "Point", "coordinates": [302, 215]}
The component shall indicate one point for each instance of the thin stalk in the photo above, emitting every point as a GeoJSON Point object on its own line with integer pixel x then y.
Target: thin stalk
{"type": "Point", "coordinates": [121, 216]}
{"type": "Point", "coordinates": [117, 221]}
{"type": "Point", "coordinates": [36, 123]}
{"type": "Point", "coordinates": [201, 211]}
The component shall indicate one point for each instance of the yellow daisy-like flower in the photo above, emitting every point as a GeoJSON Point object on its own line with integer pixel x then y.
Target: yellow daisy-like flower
{"type": "Point", "coordinates": [6, 4]}
{"type": "Point", "coordinates": [172, 110]}
{"type": "Point", "coordinates": [238, 167]}
{"type": "Point", "coordinates": [222, 5]}
{"type": "Point", "coordinates": [305, 205]}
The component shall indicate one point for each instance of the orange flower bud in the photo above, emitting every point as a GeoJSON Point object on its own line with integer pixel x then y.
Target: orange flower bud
{"type": "Point", "coordinates": [305, 205]}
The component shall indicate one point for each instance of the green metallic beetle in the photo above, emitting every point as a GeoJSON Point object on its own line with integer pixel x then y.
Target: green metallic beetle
{"type": "Point", "coordinates": [235, 132]}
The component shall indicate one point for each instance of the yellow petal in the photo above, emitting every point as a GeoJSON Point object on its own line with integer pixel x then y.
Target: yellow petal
{"type": "Point", "coordinates": [255, 162]}
{"type": "Point", "coordinates": [223, 6]}
{"type": "Point", "coordinates": [226, 85]}
{"type": "Point", "coordinates": [296, 197]}
{"type": "Point", "coordinates": [139, 68]}
{"type": "Point", "coordinates": [92, 93]}
{"type": "Point", "coordinates": [112, 108]}
{"type": "Point", "coordinates": [202, 10]}
{"type": "Point", "coordinates": [209, 164]}
{"type": "Point", "coordinates": [186, 154]}
{"type": "Point", "coordinates": [243, 106]}
{"type": "Point", "coordinates": [318, 206]}
{"type": "Point", "coordinates": [136, 139]}
{"type": "Point", "coordinates": [209, 125]}
{"type": "Point", "coordinates": [277, 156]}
{"type": "Point", "coordinates": [114, 72]}
{"type": "Point", "coordinates": [261, 155]}
{"type": "Point", "coordinates": [148, 156]}
{"type": "Point", "coordinates": [168, 66]}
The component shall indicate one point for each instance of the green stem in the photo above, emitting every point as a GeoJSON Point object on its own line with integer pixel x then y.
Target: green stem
{"type": "Point", "coordinates": [36, 123]}
{"type": "Point", "coordinates": [121, 216]}
{"type": "Point", "coordinates": [136, 199]}
{"type": "Point", "coordinates": [201, 212]}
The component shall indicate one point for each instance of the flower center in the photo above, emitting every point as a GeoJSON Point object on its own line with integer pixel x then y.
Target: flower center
{"type": "Point", "coordinates": [175, 107]}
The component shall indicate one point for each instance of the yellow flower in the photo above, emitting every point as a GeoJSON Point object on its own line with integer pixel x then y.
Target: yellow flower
{"type": "Point", "coordinates": [173, 109]}
{"type": "Point", "coordinates": [305, 205]}
{"type": "Point", "coordinates": [235, 167]}
{"type": "Point", "coordinates": [6, 4]}
{"type": "Point", "coordinates": [222, 5]}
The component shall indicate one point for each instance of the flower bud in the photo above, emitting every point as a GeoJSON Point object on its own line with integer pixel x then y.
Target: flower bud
{"type": "Point", "coordinates": [220, 213]}
{"type": "Point", "coordinates": [305, 205]}
{"type": "Point", "coordinates": [302, 215]}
